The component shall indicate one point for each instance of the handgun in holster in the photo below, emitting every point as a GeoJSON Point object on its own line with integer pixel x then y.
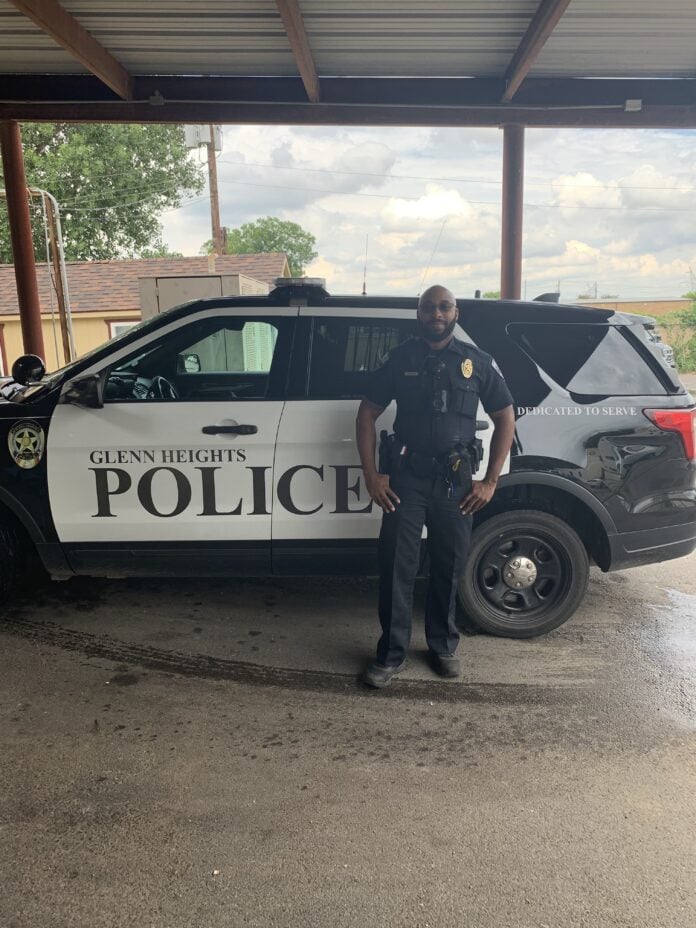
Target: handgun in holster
{"type": "Point", "coordinates": [390, 453]}
{"type": "Point", "coordinates": [384, 453]}
{"type": "Point", "coordinates": [475, 450]}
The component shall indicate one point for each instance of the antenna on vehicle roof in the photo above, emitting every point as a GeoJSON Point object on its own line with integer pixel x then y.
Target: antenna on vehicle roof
{"type": "Point", "coordinates": [437, 243]}
{"type": "Point", "coordinates": [364, 290]}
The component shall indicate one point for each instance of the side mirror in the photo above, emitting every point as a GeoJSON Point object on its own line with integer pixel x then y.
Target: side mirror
{"type": "Point", "coordinates": [188, 363]}
{"type": "Point", "coordinates": [87, 390]}
{"type": "Point", "coordinates": [29, 368]}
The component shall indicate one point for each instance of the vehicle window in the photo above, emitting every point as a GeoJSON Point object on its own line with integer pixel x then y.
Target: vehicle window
{"type": "Point", "coordinates": [218, 358]}
{"type": "Point", "coordinates": [344, 352]}
{"type": "Point", "coordinates": [232, 351]}
{"type": "Point", "coordinates": [587, 359]}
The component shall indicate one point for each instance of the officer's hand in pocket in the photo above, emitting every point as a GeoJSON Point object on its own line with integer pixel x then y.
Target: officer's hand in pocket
{"type": "Point", "coordinates": [381, 493]}
{"type": "Point", "coordinates": [481, 493]}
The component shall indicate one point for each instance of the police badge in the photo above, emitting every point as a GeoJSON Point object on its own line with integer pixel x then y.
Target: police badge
{"type": "Point", "coordinates": [467, 368]}
{"type": "Point", "coordinates": [26, 443]}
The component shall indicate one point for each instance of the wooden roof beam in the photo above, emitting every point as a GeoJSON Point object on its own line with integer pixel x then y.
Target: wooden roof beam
{"type": "Point", "coordinates": [62, 26]}
{"type": "Point", "coordinates": [538, 32]}
{"type": "Point", "coordinates": [297, 34]}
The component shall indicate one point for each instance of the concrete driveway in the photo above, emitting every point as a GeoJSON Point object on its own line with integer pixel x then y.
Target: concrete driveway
{"type": "Point", "coordinates": [201, 754]}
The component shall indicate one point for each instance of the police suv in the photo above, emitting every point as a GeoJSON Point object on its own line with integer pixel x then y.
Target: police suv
{"type": "Point", "coordinates": [219, 439]}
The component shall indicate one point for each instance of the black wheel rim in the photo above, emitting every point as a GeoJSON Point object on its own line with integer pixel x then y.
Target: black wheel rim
{"type": "Point", "coordinates": [522, 606]}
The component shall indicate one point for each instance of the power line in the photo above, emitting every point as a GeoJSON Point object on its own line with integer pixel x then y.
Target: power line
{"type": "Point", "coordinates": [421, 177]}
{"type": "Point", "coordinates": [397, 196]}
{"type": "Point", "coordinates": [459, 180]}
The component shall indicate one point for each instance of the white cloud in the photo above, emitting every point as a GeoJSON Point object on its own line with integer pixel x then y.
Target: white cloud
{"type": "Point", "coordinates": [610, 206]}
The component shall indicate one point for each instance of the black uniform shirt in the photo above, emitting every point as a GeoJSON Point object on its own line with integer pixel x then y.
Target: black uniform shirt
{"type": "Point", "coordinates": [437, 393]}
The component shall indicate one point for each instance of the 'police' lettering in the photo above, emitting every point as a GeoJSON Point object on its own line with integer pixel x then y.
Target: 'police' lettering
{"type": "Point", "coordinates": [113, 481]}
{"type": "Point", "coordinates": [208, 487]}
{"type": "Point", "coordinates": [183, 489]}
{"type": "Point", "coordinates": [258, 477]}
{"type": "Point", "coordinates": [342, 489]}
{"type": "Point", "coordinates": [123, 484]}
{"type": "Point", "coordinates": [284, 490]}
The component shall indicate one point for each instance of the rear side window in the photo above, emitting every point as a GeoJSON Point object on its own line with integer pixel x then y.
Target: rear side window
{"type": "Point", "coordinates": [588, 359]}
{"type": "Point", "coordinates": [344, 352]}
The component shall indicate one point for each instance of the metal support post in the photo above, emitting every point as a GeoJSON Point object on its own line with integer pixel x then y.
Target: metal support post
{"type": "Point", "coordinates": [20, 234]}
{"type": "Point", "coordinates": [513, 192]}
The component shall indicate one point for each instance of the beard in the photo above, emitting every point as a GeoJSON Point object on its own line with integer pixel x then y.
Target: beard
{"type": "Point", "coordinates": [431, 336]}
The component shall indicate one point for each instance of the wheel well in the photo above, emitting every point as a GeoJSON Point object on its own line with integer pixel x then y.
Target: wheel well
{"type": "Point", "coordinates": [10, 519]}
{"type": "Point", "coordinates": [557, 503]}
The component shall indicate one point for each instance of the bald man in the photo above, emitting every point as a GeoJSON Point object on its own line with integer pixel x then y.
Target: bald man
{"type": "Point", "coordinates": [436, 380]}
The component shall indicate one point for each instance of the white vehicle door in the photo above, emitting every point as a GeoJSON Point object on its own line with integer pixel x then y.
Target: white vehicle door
{"type": "Point", "coordinates": [178, 462]}
{"type": "Point", "coordinates": [323, 509]}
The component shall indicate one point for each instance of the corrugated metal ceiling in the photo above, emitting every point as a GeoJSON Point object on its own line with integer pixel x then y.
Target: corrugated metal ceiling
{"type": "Point", "coordinates": [628, 38]}
{"type": "Point", "coordinates": [622, 38]}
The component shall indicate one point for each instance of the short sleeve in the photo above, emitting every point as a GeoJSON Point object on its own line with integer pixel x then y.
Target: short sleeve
{"type": "Point", "coordinates": [495, 394]}
{"type": "Point", "coordinates": [380, 388]}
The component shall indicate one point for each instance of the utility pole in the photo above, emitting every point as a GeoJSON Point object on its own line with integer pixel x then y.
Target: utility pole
{"type": "Point", "coordinates": [218, 244]}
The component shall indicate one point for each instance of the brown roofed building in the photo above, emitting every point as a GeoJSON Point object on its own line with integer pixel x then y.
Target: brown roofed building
{"type": "Point", "coordinates": [105, 296]}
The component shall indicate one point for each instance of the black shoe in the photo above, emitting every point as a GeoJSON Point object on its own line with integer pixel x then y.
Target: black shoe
{"type": "Point", "coordinates": [445, 665]}
{"type": "Point", "coordinates": [379, 676]}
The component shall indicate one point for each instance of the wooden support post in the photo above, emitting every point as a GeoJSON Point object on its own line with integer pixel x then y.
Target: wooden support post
{"type": "Point", "coordinates": [214, 196]}
{"type": "Point", "coordinates": [513, 192]}
{"type": "Point", "coordinates": [20, 235]}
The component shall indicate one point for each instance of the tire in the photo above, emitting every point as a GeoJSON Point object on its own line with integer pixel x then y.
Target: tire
{"type": "Point", "coordinates": [552, 569]}
{"type": "Point", "coordinates": [10, 561]}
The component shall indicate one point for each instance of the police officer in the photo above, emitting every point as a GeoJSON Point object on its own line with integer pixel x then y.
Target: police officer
{"type": "Point", "coordinates": [436, 380]}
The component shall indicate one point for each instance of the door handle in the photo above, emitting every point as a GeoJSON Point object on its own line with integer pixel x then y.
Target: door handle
{"type": "Point", "coordinates": [229, 430]}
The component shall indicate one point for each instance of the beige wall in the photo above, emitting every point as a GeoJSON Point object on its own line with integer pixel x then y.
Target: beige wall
{"type": "Point", "coordinates": [89, 331]}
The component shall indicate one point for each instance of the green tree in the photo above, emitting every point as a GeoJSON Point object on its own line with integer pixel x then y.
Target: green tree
{"type": "Point", "coordinates": [111, 182]}
{"type": "Point", "coordinates": [272, 234]}
{"type": "Point", "coordinates": [491, 295]}
{"type": "Point", "coordinates": [679, 330]}
{"type": "Point", "coordinates": [158, 249]}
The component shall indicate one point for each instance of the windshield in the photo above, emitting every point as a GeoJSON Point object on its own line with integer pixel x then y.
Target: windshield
{"type": "Point", "coordinates": [26, 393]}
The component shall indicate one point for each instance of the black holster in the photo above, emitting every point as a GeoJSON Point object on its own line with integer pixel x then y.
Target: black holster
{"type": "Point", "coordinates": [459, 470]}
{"type": "Point", "coordinates": [388, 453]}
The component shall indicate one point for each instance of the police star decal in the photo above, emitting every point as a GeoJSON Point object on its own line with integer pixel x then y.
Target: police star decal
{"type": "Point", "coordinates": [26, 442]}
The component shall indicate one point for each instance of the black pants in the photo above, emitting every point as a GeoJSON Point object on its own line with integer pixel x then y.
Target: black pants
{"type": "Point", "coordinates": [424, 501]}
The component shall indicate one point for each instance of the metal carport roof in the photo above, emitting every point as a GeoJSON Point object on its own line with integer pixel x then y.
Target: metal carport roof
{"type": "Point", "coordinates": [447, 62]}
{"type": "Point", "coordinates": [511, 63]}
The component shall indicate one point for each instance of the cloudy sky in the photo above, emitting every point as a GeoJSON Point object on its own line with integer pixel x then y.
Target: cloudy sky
{"type": "Point", "coordinates": [605, 208]}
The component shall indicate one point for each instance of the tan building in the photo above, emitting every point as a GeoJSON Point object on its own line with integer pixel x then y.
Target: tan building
{"type": "Point", "coordinates": [108, 296]}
